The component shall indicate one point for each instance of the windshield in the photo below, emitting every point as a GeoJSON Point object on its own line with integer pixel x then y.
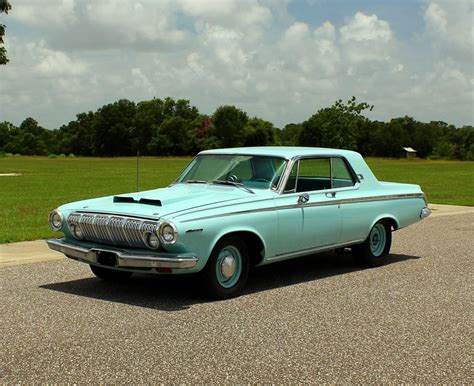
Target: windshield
{"type": "Point", "coordinates": [247, 170]}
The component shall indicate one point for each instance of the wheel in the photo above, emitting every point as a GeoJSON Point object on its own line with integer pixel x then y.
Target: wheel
{"type": "Point", "coordinates": [108, 274]}
{"type": "Point", "coordinates": [226, 271]}
{"type": "Point", "coordinates": [372, 252]}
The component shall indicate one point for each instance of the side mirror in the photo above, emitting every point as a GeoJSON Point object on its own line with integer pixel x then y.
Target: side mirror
{"type": "Point", "coordinates": [304, 198]}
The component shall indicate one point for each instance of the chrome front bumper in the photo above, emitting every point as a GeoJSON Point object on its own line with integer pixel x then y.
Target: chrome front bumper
{"type": "Point", "coordinates": [121, 258]}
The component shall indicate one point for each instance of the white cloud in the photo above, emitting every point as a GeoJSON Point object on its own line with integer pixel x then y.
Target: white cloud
{"type": "Point", "coordinates": [366, 28]}
{"type": "Point", "coordinates": [250, 53]}
{"type": "Point", "coordinates": [236, 13]}
{"type": "Point", "coordinates": [132, 21]}
{"type": "Point", "coordinates": [106, 24]}
{"type": "Point", "coordinates": [55, 63]}
{"type": "Point", "coordinates": [367, 38]}
{"type": "Point", "coordinates": [450, 28]}
{"type": "Point", "coordinates": [45, 14]}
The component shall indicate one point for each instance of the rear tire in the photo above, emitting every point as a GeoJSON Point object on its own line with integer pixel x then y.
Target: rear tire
{"type": "Point", "coordinates": [109, 274]}
{"type": "Point", "coordinates": [226, 271]}
{"type": "Point", "coordinates": [373, 251]}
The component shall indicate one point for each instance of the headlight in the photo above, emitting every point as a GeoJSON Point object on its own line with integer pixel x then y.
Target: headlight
{"type": "Point", "coordinates": [168, 233]}
{"type": "Point", "coordinates": [76, 231]}
{"type": "Point", "coordinates": [56, 220]}
{"type": "Point", "coordinates": [152, 240]}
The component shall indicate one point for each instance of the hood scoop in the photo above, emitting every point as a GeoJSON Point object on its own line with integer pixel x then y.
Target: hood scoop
{"type": "Point", "coordinates": [131, 200]}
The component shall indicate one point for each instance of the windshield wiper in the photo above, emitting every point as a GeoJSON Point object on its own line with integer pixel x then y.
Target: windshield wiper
{"type": "Point", "coordinates": [195, 182]}
{"type": "Point", "coordinates": [233, 183]}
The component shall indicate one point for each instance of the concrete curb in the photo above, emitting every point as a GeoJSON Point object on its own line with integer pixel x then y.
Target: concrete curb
{"type": "Point", "coordinates": [28, 252]}
{"type": "Point", "coordinates": [448, 210]}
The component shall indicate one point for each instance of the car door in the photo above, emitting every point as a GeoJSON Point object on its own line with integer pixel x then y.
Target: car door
{"type": "Point", "coordinates": [322, 219]}
{"type": "Point", "coordinates": [309, 217]}
{"type": "Point", "coordinates": [346, 189]}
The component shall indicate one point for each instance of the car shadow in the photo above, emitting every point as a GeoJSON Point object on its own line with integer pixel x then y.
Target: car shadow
{"type": "Point", "coordinates": [179, 292]}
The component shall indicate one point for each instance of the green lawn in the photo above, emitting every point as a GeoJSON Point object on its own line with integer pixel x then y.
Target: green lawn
{"type": "Point", "coordinates": [444, 182]}
{"type": "Point", "coordinates": [46, 183]}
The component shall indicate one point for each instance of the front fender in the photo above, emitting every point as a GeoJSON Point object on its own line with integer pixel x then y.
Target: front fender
{"type": "Point", "coordinates": [200, 237]}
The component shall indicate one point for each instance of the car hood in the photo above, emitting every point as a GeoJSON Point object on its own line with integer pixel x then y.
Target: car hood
{"type": "Point", "coordinates": [168, 202]}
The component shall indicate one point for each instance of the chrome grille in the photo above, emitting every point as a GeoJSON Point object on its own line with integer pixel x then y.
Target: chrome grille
{"type": "Point", "coordinates": [112, 229]}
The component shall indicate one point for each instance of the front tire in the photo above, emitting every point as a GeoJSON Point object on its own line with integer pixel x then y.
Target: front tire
{"type": "Point", "coordinates": [373, 251]}
{"type": "Point", "coordinates": [226, 271]}
{"type": "Point", "coordinates": [109, 274]}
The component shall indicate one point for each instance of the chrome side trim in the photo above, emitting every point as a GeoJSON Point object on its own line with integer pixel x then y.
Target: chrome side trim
{"type": "Point", "coordinates": [124, 259]}
{"type": "Point", "coordinates": [218, 207]}
{"type": "Point", "coordinates": [201, 206]}
{"type": "Point", "coordinates": [318, 203]}
{"type": "Point", "coordinates": [310, 251]}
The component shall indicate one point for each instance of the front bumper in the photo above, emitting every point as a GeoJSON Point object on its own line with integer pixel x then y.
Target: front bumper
{"type": "Point", "coordinates": [119, 258]}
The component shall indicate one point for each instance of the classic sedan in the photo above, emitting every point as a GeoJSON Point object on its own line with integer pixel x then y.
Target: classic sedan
{"type": "Point", "coordinates": [231, 209]}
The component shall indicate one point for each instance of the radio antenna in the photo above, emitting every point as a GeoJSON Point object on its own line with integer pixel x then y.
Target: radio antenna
{"type": "Point", "coordinates": [138, 155]}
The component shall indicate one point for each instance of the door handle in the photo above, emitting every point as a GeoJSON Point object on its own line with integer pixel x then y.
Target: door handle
{"type": "Point", "coordinates": [304, 198]}
{"type": "Point", "coordinates": [331, 194]}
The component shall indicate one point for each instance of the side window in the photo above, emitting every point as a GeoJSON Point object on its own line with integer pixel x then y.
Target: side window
{"type": "Point", "coordinates": [340, 174]}
{"type": "Point", "coordinates": [314, 174]}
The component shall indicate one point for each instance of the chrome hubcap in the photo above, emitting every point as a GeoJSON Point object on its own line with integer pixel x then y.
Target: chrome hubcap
{"type": "Point", "coordinates": [228, 266]}
{"type": "Point", "coordinates": [378, 238]}
{"type": "Point", "coordinates": [375, 239]}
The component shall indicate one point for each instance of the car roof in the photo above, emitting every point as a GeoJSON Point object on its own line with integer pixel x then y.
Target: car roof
{"type": "Point", "coordinates": [281, 151]}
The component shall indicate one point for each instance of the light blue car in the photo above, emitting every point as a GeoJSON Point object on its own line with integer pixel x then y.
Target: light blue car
{"type": "Point", "coordinates": [235, 208]}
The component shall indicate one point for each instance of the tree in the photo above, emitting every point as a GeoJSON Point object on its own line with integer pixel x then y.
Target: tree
{"type": "Point", "coordinates": [336, 126]}
{"type": "Point", "coordinates": [204, 134]}
{"type": "Point", "coordinates": [7, 131]}
{"type": "Point", "coordinates": [175, 127]}
{"type": "Point", "coordinates": [259, 132]}
{"type": "Point", "coordinates": [289, 135]}
{"type": "Point", "coordinates": [462, 140]}
{"type": "Point", "coordinates": [229, 123]}
{"type": "Point", "coordinates": [148, 117]}
{"type": "Point", "coordinates": [172, 138]}
{"type": "Point", "coordinates": [5, 6]}
{"type": "Point", "coordinates": [111, 128]}
{"type": "Point", "coordinates": [76, 137]}
{"type": "Point", "coordinates": [30, 125]}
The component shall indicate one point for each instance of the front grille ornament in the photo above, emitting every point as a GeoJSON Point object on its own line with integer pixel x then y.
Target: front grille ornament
{"type": "Point", "coordinates": [112, 229]}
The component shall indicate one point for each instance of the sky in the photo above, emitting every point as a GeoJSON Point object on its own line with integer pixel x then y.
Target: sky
{"type": "Point", "coordinates": [280, 60]}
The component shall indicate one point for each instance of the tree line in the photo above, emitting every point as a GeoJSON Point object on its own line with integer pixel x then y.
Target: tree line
{"type": "Point", "coordinates": [163, 127]}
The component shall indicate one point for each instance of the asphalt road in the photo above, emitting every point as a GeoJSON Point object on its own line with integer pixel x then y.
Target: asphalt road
{"type": "Point", "coordinates": [312, 320]}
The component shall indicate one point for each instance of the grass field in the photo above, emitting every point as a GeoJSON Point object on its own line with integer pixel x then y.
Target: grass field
{"type": "Point", "coordinates": [45, 183]}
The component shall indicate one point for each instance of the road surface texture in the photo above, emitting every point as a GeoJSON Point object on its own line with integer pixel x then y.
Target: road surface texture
{"type": "Point", "coordinates": [318, 319]}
